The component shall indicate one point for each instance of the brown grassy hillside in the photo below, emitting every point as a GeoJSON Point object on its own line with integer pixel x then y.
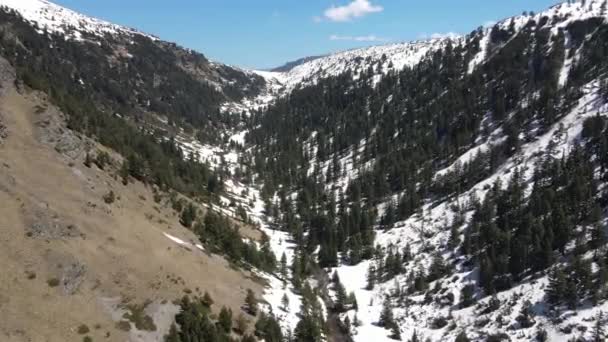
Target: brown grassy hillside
{"type": "Point", "coordinates": [69, 259]}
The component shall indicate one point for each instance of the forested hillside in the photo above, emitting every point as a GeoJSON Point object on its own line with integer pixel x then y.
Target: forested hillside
{"type": "Point", "coordinates": [485, 159]}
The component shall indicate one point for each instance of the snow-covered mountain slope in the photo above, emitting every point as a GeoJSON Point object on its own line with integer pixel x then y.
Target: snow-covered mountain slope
{"type": "Point", "coordinates": [384, 58]}
{"type": "Point", "coordinates": [53, 18]}
{"type": "Point", "coordinates": [427, 231]}
{"type": "Point", "coordinates": [381, 59]}
{"type": "Point", "coordinates": [560, 16]}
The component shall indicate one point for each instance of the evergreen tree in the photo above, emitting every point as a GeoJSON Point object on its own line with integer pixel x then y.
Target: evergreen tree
{"type": "Point", "coordinates": [283, 266]}
{"type": "Point", "coordinates": [599, 334]}
{"type": "Point", "coordinates": [352, 300]}
{"type": "Point", "coordinates": [395, 332]}
{"type": "Point", "coordinates": [386, 316]}
{"type": "Point", "coordinates": [371, 277]}
{"type": "Point", "coordinates": [88, 160]}
{"type": "Point", "coordinates": [207, 301]}
{"type": "Point", "coordinates": [341, 297]}
{"type": "Point", "coordinates": [462, 337]}
{"type": "Point", "coordinates": [124, 172]}
{"type": "Point", "coordinates": [188, 216]}
{"type": "Point", "coordinates": [525, 317]}
{"type": "Point", "coordinates": [571, 294]}
{"type": "Point", "coordinates": [454, 239]}
{"type": "Point", "coordinates": [437, 269]}
{"type": "Point", "coordinates": [251, 303]}
{"type": "Point", "coordinates": [173, 335]}
{"type": "Point", "coordinates": [225, 319]}
{"type": "Point", "coordinates": [241, 324]}
{"type": "Point", "coordinates": [556, 288]}
{"type": "Point", "coordinates": [285, 302]}
{"type": "Point", "coordinates": [414, 337]}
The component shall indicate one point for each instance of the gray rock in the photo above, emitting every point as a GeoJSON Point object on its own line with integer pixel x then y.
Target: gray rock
{"type": "Point", "coordinates": [72, 277]}
{"type": "Point", "coordinates": [44, 224]}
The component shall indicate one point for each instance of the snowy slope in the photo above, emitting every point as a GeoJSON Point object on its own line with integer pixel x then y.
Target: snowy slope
{"type": "Point", "coordinates": [418, 315]}
{"type": "Point", "coordinates": [382, 59]}
{"type": "Point", "coordinates": [429, 228]}
{"type": "Point", "coordinates": [61, 20]}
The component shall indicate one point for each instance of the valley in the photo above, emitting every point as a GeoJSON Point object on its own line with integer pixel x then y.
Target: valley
{"type": "Point", "coordinates": [454, 188]}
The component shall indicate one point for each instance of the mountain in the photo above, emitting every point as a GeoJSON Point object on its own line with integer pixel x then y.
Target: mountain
{"type": "Point", "coordinates": [441, 192]}
{"type": "Point", "coordinates": [452, 188]}
{"type": "Point", "coordinates": [143, 70]}
{"type": "Point", "coordinates": [290, 65]}
{"type": "Point", "coordinates": [308, 71]}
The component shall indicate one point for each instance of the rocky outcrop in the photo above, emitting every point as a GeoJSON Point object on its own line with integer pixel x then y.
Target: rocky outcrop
{"type": "Point", "coordinates": [7, 80]}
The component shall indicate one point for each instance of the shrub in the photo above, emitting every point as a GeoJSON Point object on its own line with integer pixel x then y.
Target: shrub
{"type": "Point", "coordinates": [123, 325]}
{"type": "Point", "coordinates": [138, 316]}
{"type": "Point", "coordinates": [53, 282]}
{"type": "Point", "coordinates": [439, 323]}
{"type": "Point", "coordinates": [83, 329]}
{"type": "Point", "coordinates": [110, 197]}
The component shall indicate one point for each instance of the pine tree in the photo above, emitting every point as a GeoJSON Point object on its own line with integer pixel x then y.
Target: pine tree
{"type": "Point", "coordinates": [437, 269]}
{"type": "Point", "coordinates": [88, 160]}
{"type": "Point", "coordinates": [541, 335]}
{"type": "Point", "coordinates": [556, 288]}
{"type": "Point", "coordinates": [207, 301]}
{"type": "Point", "coordinates": [241, 324]}
{"type": "Point", "coordinates": [283, 265]}
{"type": "Point", "coordinates": [341, 297]}
{"type": "Point", "coordinates": [414, 337]}
{"type": "Point", "coordinates": [352, 300]}
{"type": "Point", "coordinates": [173, 335]}
{"type": "Point", "coordinates": [386, 316]}
{"type": "Point", "coordinates": [395, 332]}
{"type": "Point", "coordinates": [225, 319]}
{"type": "Point", "coordinates": [188, 216]}
{"type": "Point", "coordinates": [601, 278]}
{"type": "Point", "coordinates": [251, 303]}
{"type": "Point", "coordinates": [525, 317]}
{"type": "Point", "coordinates": [599, 334]}
{"type": "Point", "coordinates": [347, 326]}
{"type": "Point", "coordinates": [598, 236]}
{"type": "Point", "coordinates": [285, 302]}
{"type": "Point", "coordinates": [462, 337]}
{"type": "Point", "coordinates": [454, 239]}
{"type": "Point", "coordinates": [571, 294]}
{"type": "Point", "coordinates": [124, 172]}
{"type": "Point", "coordinates": [371, 277]}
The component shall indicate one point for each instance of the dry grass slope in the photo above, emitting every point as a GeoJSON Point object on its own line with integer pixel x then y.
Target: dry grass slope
{"type": "Point", "coordinates": [70, 260]}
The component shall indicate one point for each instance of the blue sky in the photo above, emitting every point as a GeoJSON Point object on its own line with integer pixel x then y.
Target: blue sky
{"type": "Point", "coordinates": [267, 33]}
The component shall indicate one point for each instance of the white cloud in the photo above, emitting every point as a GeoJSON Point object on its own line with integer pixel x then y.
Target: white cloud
{"type": "Point", "coordinates": [355, 9]}
{"type": "Point", "coordinates": [368, 38]}
{"type": "Point", "coordinates": [438, 35]}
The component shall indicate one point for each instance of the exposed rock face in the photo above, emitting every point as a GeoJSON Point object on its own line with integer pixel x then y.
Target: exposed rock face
{"type": "Point", "coordinates": [7, 75]}
{"type": "Point", "coordinates": [7, 79]}
{"type": "Point", "coordinates": [73, 275]}
{"type": "Point", "coordinates": [53, 131]}
{"type": "Point", "coordinates": [45, 224]}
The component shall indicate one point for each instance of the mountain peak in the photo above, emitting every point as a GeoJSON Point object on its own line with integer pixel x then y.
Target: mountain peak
{"type": "Point", "coordinates": [57, 19]}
